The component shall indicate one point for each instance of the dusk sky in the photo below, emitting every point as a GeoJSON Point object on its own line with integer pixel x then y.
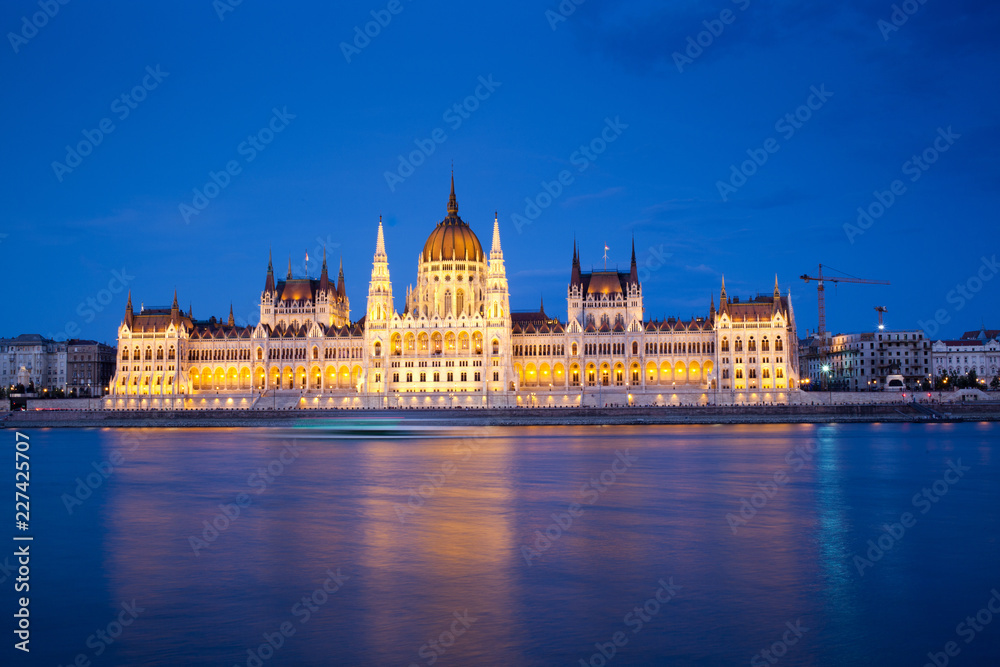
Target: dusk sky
{"type": "Point", "coordinates": [673, 128]}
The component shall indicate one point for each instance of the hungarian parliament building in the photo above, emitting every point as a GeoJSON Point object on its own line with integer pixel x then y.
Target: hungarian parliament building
{"type": "Point", "coordinates": [456, 343]}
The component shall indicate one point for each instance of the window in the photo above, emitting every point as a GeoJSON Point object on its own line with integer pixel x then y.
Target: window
{"type": "Point", "coordinates": [476, 377]}
{"type": "Point", "coordinates": [635, 347]}
{"type": "Point", "coordinates": [437, 377]}
{"type": "Point", "coordinates": [463, 377]}
{"type": "Point", "coordinates": [423, 377]}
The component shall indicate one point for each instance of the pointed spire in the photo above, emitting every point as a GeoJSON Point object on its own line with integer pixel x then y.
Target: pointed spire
{"type": "Point", "coordinates": [190, 316]}
{"type": "Point", "coordinates": [723, 300]}
{"type": "Point", "coordinates": [541, 304]}
{"type": "Point", "coordinates": [324, 278]}
{"type": "Point", "coordinates": [341, 289]}
{"type": "Point", "coordinates": [711, 306]}
{"type": "Point", "coordinates": [633, 276]}
{"type": "Point", "coordinates": [777, 290]}
{"type": "Point", "coordinates": [380, 242]}
{"type": "Point", "coordinates": [495, 249]}
{"type": "Point", "coordinates": [575, 272]}
{"type": "Point", "coordinates": [174, 309]}
{"type": "Point", "coordinates": [232, 322]}
{"type": "Point", "coordinates": [269, 281]}
{"type": "Point", "coordinates": [289, 268]}
{"type": "Point", "coordinates": [452, 200]}
{"type": "Point", "coordinates": [129, 314]}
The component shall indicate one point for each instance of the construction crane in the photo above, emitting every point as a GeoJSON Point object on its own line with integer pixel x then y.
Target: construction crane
{"type": "Point", "coordinates": [881, 310]}
{"type": "Point", "coordinates": [821, 297]}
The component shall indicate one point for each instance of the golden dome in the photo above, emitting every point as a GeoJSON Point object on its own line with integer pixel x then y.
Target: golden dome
{"type": "Point", "coordinates": [452, 237]}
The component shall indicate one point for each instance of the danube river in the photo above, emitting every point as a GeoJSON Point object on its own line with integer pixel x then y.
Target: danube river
{"type": "Point", "coordinates": [861, 544]}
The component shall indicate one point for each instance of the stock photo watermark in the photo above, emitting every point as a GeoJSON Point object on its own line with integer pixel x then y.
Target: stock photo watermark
{"type": "Point", "coordinates": [590, 493]}
{"type": "Point", "coordinates": [914, 168]}
{"type": "Point", "coordinates": [796, 459]}
{"type": "Point", "coordinates": [259, 480]}
{"type": "Point", "coordinates": [302, 610]}
{"type": "Point", "coordinates": [454, 116]}
{"type": "Point", "coordinates": [104, 637]}
{"type": "Point", "coordinates": [696, 44]}
{"type": "Point", "coordinates": [223, 7]}
{"type": "Point", "coordinates": [787, 126]}
{"type": "Point", "coordinates": [438, 646]}
{"type": "Point", "coordinates": [635, 620]}
{"type": "Point", "coordinates": [968, 630]}
{"type": "Point", "coordinates": [122, 106]}
{"type": "Point", "coordinates": [381, 18]}
{"type": "Point", "coordinates": [962, 294]}
{"type": "Point", "coordinates": [778, 650]}
{"type": "Point", "coordinates": [924, 501]}
{"type": "Point", "coordinates": [92, 306]}
{"type": "Point", "coordinates": [248, 149]}
{"type": "Point", "coordinates": [581, 158]}
{"type": "Point", "coordinates": [900, 14]}
{"type": "Point", "coordinates": [37, 21]}
{"type": "Point", "coordinates": [435, 480]}
{"type": "Point", "coordinates": [563, 11]}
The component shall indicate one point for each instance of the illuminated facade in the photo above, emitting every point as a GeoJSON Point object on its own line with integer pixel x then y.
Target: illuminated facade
{"type": "Point", "coordinates": [456, 343]}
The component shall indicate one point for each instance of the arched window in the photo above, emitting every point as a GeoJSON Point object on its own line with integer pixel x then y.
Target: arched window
{"type": "Point", "coordinates": [751, 345]}
{"type": "Point", "coordinates": [725, 344]}
{"type": "Point", "coordinates": [260, 354]}
{"type": "Point", "coordinates": [635, 347]}
{"type": "Point", "coordinates": [765, 345]}
{"type": "Point", "coordinates": [573, 349]}
{"type": "Point", "coordinates": [447, 302]}
{"type": "Point", "coordinates": [378, 348]}
{"type": "Point", "coordinates": [159, 354]}
{"type": "Point", "coordinates": [739, 344]}
{"type": "Point", "coordinates": [315, 352]}
{"type": "Point", "coordinates": [459, 302]}
{"type": "Point", "coordinates": [496, 346]}
{"type": "Point", "coordinates": [777, 344]}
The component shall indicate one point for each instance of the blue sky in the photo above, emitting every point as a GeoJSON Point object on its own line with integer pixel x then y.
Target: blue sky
{"type": "Point", "coordinates": [75, 237]}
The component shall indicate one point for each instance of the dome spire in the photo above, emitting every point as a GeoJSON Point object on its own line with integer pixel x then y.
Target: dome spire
{"type": "Point", "coordinates": [452, 200]}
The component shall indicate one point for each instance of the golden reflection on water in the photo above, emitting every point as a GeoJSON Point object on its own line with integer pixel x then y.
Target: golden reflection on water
{"type": "Point", "coordinates": [426, 528]}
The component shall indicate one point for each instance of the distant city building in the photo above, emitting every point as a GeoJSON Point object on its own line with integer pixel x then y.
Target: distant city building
{"type": "Point", "coordinates": [90, 367]}
{"type": "Point", "coordinates": [456, 342]}
{"type": "Point", "coordinates": [862, 361]}
{"type": "Point", "coordinates": [958, 357]}
{"type": "Point", "coordinates": [31, 359]}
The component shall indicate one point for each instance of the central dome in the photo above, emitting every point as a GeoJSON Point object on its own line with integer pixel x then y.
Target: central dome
{"type": "Point", "coordinates": [452, 237]}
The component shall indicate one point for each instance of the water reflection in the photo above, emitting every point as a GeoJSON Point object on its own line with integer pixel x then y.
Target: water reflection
{"type": "Point", "coordinates": [422, 529]}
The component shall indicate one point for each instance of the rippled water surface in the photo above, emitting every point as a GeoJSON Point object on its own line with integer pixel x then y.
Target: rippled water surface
{"type": "Point", "coordinates": [417, 531]}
